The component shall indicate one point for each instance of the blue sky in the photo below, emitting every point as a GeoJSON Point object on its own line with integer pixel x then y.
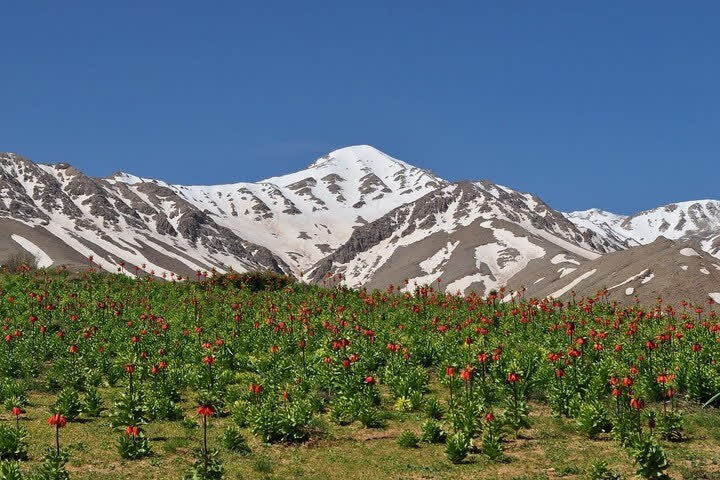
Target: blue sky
{"type": "Point", "coordinates": [587, 104]}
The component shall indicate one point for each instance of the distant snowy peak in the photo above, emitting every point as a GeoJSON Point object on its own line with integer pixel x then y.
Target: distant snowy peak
{"type": "Point", "coordinates": [697, 220]}
{"type": "Point", "coordinates": [675, 221]}
{"type": "Point", "coordinates": [596, 215]}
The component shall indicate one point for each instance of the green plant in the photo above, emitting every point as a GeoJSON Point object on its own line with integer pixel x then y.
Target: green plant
{"type": "Point", "coordinates": [68, 404]}
{"type": "Point", "coordinates": [465, 417]}
{"type": "Point", "coordinates": [650, 459]}
{"type": "Point", "coordinates": [10, 471]}
{"type": "Point", "coordinates": [593, 419]}
{"type": "Point", "coordinates": [457, 447]}
{"type": "Point", "coordinates": [600, 471]}
{"type": "Point", "coordinates": [133, 444]}
{"type": "Point", "coordinates": [92, 403]}
{"type": "Point", "coordinates": [53, 466]}
{"type": "Point", "coordinates": [670, 426]}
{"type": "Point", "coordinates": [281, 423]}
{"type": "Point", "coordinates": [371, 417]}
{"type": "Point", "coordinates": [207, 466]}
{"type": "Point", "coordinates": [234, 441]}
{"type": "Point", "coordinates": [408, 439]}
{"type": "Point", "coordinates": [13, 443]}
{"type": "Point", "coordinates": [433, 409]}
{"type": "Point", "coordinates": [432, 432]}
{"type": "Point", "coordinates": [129, 409]}
{"type": "Point", "coordinates": [492, 438]}
{"type": "Point", "coordinates": [163, 408]}
{"type": "Point", "coordinates": [624, 429]}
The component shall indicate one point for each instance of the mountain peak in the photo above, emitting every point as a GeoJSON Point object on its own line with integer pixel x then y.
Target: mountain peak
{"type": "Point", "coordinates": [365, 155]}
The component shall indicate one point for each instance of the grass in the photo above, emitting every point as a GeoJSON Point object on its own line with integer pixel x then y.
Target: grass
{"type": "Point", "coordinates": [552, 448]}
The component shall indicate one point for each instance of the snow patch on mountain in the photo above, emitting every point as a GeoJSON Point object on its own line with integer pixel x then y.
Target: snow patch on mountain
{"type": "Point", "coordinates": [505, 258]}
{"type": "Point", "coordinates": [43, 259]}
{"type": "Point", "coordinates": [573, 284]}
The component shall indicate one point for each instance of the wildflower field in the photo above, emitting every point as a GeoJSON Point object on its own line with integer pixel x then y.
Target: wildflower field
{"type": "Point", "coordinates": [242, 376]}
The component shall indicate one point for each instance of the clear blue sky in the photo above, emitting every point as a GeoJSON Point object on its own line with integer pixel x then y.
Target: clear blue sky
{"type": "Point", "coordinates": [610, 104]}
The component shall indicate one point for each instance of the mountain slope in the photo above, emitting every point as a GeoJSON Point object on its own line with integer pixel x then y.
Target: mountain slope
{"type": "Point", "coordinates": [672, 270]}
{"type": "Point", "coordinates": [469, 236]}
{"type": "Point", "coordinates": [79, 216]}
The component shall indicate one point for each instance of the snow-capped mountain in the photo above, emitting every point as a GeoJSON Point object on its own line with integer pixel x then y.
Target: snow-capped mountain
{"type": "Point", "coordinates": [696, 220]}
{"type": "Point", "coordinates": [358, 212]}
{"type": "Point", "coordinates": [303, 216]}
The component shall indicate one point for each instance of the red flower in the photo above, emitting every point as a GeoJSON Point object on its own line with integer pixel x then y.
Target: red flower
{"type": "Point", "coordinates": [206, 410]}
{"type": "Point", "coordinates": [696, 347]}
{"type": "Point", "coordinates": [513, 377]}
{"type": "Point", "coordinates": [58, 420]}
{"type": "Point", "coordinates": [369, 380]}
{"type": "Point", "coordinates": [130, 368]}
{"type": "Point", "coordinates": [554, 357]}
{"type": "Point", "coordinates": [17, 411]}
{"type": "Point", "coordinates": [450, 372]}
{"type": "Point", "coordinates": [637, 403]}
{"type": "Point", "coordinates": [133, 431]}
{"type": "Point", "coordinates": [489, 417]}
{"type": "Point", "coordinates": [208, 360]}
{"type": "Point", "coordinates": [559, 373]}
{"type": "Point", "coordinates": [466, 374]}
{"type": "Point", "coordinates": [256, 389]}
{"type": "Point", "coordinates": [73, 349]}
